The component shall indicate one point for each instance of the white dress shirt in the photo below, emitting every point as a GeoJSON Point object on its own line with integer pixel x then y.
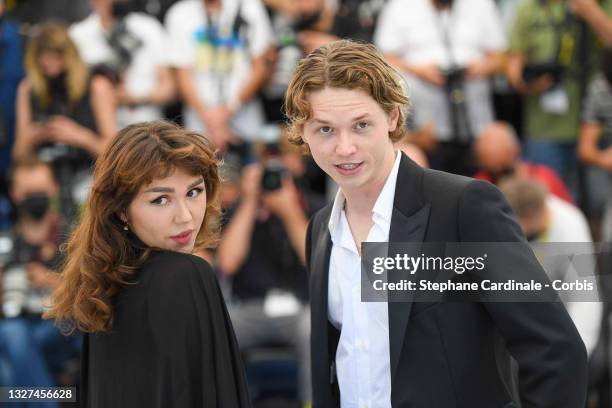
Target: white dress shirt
{"type": "Point", "coordinates": [362, 358]}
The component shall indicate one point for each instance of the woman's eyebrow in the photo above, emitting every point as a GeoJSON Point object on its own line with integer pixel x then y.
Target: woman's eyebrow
{"type": "Point", "coordinates": [170, 189]}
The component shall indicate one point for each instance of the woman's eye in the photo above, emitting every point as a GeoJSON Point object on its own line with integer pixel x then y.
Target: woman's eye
{"type": "Point", "coordinates": [362, 125]}
{"type": "Point", "coordinates": [198, 191]}
{"type": "Point", "coordinates": [160, 200]}
{"type": "Point", "coordinates": [325, 129]}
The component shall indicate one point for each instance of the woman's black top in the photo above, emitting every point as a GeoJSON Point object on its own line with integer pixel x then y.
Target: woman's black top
{"type": "Point", "coordinates": [171, 345]}
{"type": "Point", "coordinates": [81, 111]}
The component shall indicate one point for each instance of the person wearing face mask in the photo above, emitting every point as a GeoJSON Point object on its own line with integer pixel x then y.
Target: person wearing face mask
{"type": "Point", "coordinates": [545, 218]}
{"type": "Point", "coordinates": [498, 152]}
{"type": "Point", "coordinates": [34, 348]}
{"type": "Point", "coordinates": [64, 114]}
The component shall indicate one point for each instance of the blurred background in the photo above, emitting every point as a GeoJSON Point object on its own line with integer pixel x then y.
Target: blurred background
{"type": "Point", "coordinates": [515, 92]}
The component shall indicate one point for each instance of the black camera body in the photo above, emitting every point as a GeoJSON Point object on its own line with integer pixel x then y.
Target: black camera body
{"type": "Point", "coordinates": [273, 175]}
{"type": "Point", "coordinates": [532, 72]}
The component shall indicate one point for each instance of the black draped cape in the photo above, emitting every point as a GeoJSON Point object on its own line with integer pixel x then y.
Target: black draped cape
{"type": "Point", "coordinates": [171, 343]}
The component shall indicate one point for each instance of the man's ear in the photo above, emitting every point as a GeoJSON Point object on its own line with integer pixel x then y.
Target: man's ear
{"type": "Point", "coordinates": [393, 118]}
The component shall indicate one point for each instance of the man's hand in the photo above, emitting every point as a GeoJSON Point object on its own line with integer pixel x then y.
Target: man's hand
{"type": "Point", "coordinates": [217, 121]}
{"type": "Point", "coordinates": [425, 137]}
{"type": "Point", "coordinates": [479, 68]}
{"type": "Point", "coordinates": [250, 181]}
{"type": "Point", "coordinates": [40, 276]}
{"type": "Point", "coordinates": [605, 159]}
{"type": "Point", "coordinates": [582, 8]}
{"type": "Point", "coordinates": [285, 201]}
{"type": "Point", "coordinates": [429, 73]}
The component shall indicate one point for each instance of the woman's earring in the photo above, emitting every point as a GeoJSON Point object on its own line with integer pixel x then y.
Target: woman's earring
{"type": "Point", "coordinates": [125, 227]}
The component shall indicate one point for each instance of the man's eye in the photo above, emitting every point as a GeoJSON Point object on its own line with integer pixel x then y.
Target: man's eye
{"type": "Point", "coordinates": [159, 200]}
{"type": "Point", "coordinates": [325, 129]}
{"type": "Point", "coordinates": [198, 191]}
{"type": "Point", "coordinates": [362, 125]}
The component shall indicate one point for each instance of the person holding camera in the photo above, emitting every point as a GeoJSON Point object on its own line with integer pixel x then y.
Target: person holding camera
{"type": "Point", "coordinates": [64, 114]}
{"type": "Point", "coordinates": [447, 50]}
{"type": "Point", "coordinates": [219, 51]}
{"type": "Point", "coordinates": [301, 26]}
{"type": "Point", "coordinates": [34, 348]}
{"type": "Point", "coordinates": [262, 250]}
{"type": "Point", "coordinates": [551, 58]}
{"type": "Point", "coordinates": [130, 48]}
{"type": "Point", "coordinates": [59, 102]}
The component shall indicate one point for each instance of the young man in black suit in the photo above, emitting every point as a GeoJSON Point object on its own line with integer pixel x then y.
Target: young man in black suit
{"type": "Point", "coordinates": [348, 107]}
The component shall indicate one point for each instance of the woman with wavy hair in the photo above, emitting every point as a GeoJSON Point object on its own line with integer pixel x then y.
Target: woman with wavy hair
{"type": "Point", "coordinates": [157, 331]}
{"type": "Point", "coordinates": [59, 101]}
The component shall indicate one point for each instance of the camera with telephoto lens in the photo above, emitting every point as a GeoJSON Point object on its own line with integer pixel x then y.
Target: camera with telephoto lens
{"type": "Point", "coordinates": [274, 170]}
{"type": "Point", "coordinates": [532, 72]}
{"type": "Point", "coordinates": [455, 78]}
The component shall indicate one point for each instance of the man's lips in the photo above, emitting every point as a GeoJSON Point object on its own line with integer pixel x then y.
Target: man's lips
{"type": "Point", "coordinates": [348, 169]}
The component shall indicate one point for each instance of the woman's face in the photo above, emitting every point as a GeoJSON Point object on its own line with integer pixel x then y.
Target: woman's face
{"type": "Point", "coordinates": [52, 63]}
{"type": "Point", "coordinates": [168, 213]}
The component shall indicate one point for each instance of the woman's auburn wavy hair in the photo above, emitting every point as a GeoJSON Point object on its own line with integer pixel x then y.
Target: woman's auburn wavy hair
{"type": "Point", "coordinates": [345, 64]}
{"type": "Point", "coordinates": [99, 254]}
{"type": "Point", "coordinates": [53, 37]}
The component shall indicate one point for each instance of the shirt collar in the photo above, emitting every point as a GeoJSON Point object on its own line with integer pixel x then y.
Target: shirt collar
{"type": "Point", "coordinates": [383, 207]}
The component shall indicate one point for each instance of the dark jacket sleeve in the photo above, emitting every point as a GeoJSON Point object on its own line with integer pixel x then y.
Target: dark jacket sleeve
{"type": "Point", "coordinates": [194, 339]}
{"type": "Point", "coordinates": [541, 336]}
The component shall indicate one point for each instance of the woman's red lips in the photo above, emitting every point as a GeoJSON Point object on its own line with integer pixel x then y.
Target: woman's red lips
{"type": "Point", "coordinates": [183, 234]}
{"type": "Point", "coordinates": [183, 238]}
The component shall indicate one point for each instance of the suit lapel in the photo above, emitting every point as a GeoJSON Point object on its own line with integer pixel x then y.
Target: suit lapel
{"type": "Point", "coordinates": [408, 224]}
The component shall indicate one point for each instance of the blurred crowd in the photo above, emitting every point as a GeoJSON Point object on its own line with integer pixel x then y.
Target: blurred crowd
{"type": "Point", "coordinates": [515, 92]}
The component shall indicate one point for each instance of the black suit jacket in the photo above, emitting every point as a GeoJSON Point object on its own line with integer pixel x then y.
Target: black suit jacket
{"type": "Point", "coordinates": [456, 354]}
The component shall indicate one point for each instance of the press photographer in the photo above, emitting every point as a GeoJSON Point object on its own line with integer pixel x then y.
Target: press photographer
{"type": "Point", "coordinates": [447, 51]}
{"type": "Point", "coordinates": [554, 48]}
{"type": "Point", "coordinates": [34, 348]}
{"type": "Point", "coordinates": [262, 251]}
{"type": "Point", "coordinates": [64, 114]}
{"type": "Point", "coordinates": [130, 48]}
{"type": "Point", "coordinates": [301, 26]}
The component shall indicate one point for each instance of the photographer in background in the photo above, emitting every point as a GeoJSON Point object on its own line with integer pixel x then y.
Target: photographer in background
{"type": "Point", "coordinates": [300, 26]}
{"type": "Point", "coordinates": [34, 348]}
{"type": "Point", "coordinates": [447, 50]}
{"type": "Point", "coordinates": [64, 114]}
{"type": "Point", "coordinates": [262, 250]}
{"type": "Point", "coordinates": [551, 59]}
{"type": "Point", "coordinates": [131, 48]}
{"type": "Point", "coordinates": [219, 48]}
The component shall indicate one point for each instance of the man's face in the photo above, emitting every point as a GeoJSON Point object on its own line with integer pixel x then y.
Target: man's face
{"type": "Point", "coordinates": [348, 136]}
{"type": "Point", "coordinates": [168, 213]}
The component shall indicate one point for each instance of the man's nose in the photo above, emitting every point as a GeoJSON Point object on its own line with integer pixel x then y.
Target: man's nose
{"type": "Point", "coordinates": [346, 144]}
